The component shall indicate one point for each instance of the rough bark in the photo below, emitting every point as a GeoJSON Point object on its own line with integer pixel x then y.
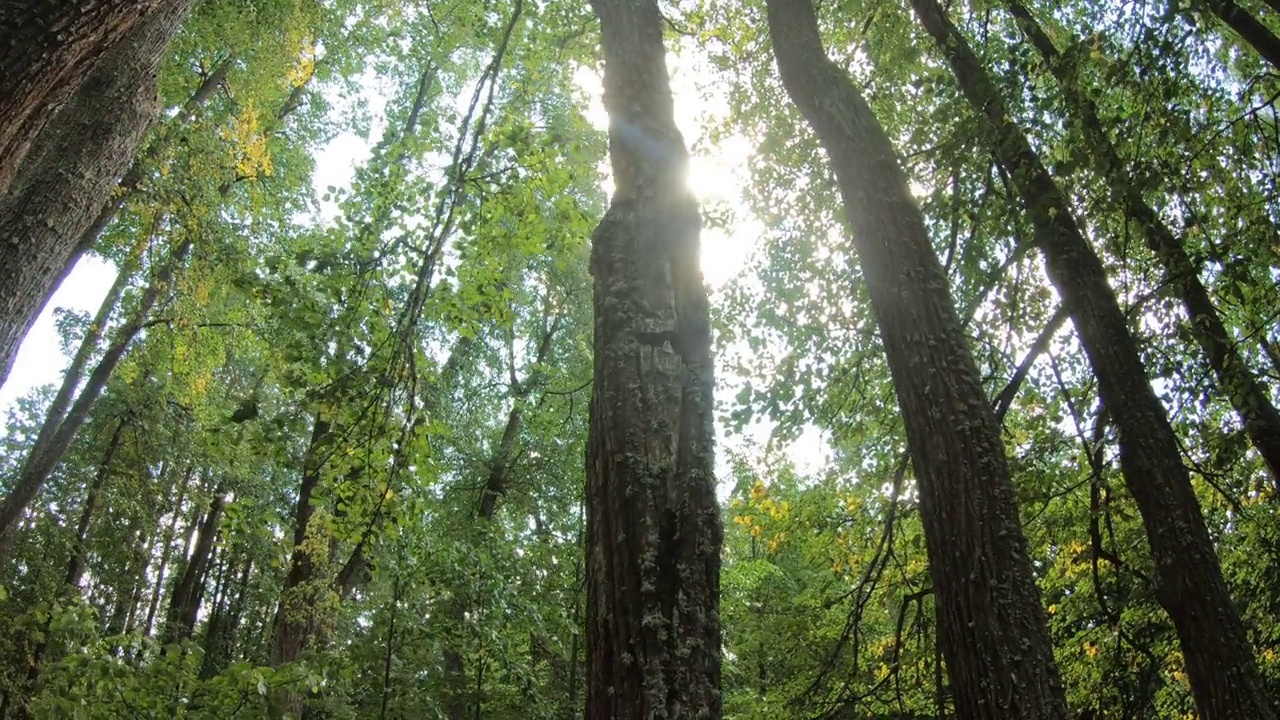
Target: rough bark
{"type": "Point", "coordinates": [1189, 582]}
{"type": "Point", "coordinates": [653, 528]}
{"type": "Point", "coordinates": [184, 604]}
{"type": "Point", "coordinates": [1251, 400]}
{"type": "Point", "coordinates": [51, 47]}
{"type": "Point", "coordinates": [992, 628]}
{"type": "Point", "coordinates": [72, 166]}
{"type": "Point", "coordinates": [38, 466]}
{"type": "Point", "coordinates": [132, 179]}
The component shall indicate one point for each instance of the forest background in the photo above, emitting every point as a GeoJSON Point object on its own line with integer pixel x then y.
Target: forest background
{"type": "Point", "coordinates": [329, 363]}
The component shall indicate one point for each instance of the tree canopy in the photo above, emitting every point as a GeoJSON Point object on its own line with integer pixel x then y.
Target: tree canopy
{"type": "Point", "coordinates": [551, 359]}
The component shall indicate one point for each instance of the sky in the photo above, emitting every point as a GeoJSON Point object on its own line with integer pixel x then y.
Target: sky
{"type": "Point", "coordinates": [717, 172]}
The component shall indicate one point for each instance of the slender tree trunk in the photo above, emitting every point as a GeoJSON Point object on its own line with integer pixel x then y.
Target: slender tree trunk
{"type": "Point", "coordinates": [166, 550]}
{"type": "Point", "coordinates": [389, 654]}
{"type": "Point", "coordinates": [218, 606]}
{"type": "Point", "coordinates": [1273, 355]}
{"type": "Point", "coordinates": [184, 604]}
{"type": "Point", "coordinates": [992, 629]}
{"type": "Point", "coordinates": [1190, 586]}
{"type": "Point", "coordinates": [1236, 381]}
{"type": "Point", "coordinates": [38, 466]}
{"type": "Point", "coordinates": [653, 526]}
{"type": "Point", "coordinates": [574, 709]}
{"type": "Point", "coordinates": [495, 487]}
{"type": "Point", "coordinates": [75, 565]}
{"type": "Point", "coordinates": [74, 375]}
{"type": "Point", "coordinates": [1249, 28]}
{"type": "Point", "coordinates": [72, 166]}
{"type": "Point", "coordinates": [142, 564]}
{"type": "Point", "coordinates": [220, 635]}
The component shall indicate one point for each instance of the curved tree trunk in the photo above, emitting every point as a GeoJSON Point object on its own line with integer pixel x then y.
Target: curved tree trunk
{"type": "Point", "coordinates": [132, 179]}
{"type": "Point", "coordinates": [72, 166]}
{"type": "Point", "coordinates": [653, 526]}
{"type": "Point", "coordinates": [1190, 586]}
{"type": "Point", "coordinates": [1241, 387]}
{"type": "Point", "coordinates": [992, 629]}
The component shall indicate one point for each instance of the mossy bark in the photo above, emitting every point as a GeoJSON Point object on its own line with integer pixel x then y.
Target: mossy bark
{"type": "Point", "coordinates": [653, 528]}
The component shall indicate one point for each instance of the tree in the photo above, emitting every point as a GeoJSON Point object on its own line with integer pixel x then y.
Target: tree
{"type": "Point", "coordinates": [992, 627]}
{"type": "Point", "coordinates": [76, 159]}
{"type": "Point", "coordinates": [1249, 28]}
{"type": "Point", "coordinates": [653, 528]}
{"type": "Point", "coordinates": [52, 48]}
{"type": "Point", "coordinates": [1249, 397]}
{"type": "Point", "coordinates": [1191, 586]}
{"type": "Point", "coordinates": [194, 548]}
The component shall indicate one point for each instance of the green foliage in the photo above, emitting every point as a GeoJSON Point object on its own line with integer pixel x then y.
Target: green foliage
{"type": "Point", "coordinates": [434, 312]}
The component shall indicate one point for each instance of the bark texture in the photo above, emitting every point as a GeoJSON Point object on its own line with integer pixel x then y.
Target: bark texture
{"type": "Point", "coordinates": [653, 528]}
{"type": "Point", "coordinates": [50, 47]}
{"type": "Point", "coordinates": [73, 164]}
{"type": "Point", "coordinates": [1250, 398]}
{"type": "Point", "coordinates": [1189, 583]}
{"type": "Point", "coordinates": [992, 628]}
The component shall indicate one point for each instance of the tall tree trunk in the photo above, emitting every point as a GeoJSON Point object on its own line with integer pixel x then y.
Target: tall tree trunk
{"type": "Point", "coordinates": [298, 622]}
{"type": "Point", "coordinates": [75, 565]}
{"type": "Point", "coordinates": [142, 563]}
{"type": "Point", "coordinates": [1249, 28]}
{"type": "Point", "coordinates": [50, 48]}
{"type": "Point", "coordinates": [220, 636]}
{"type": "Point", "coordinates": [133, 178]}
{"type": "Point", "coordinates": [457, 691]}
{"type": "Point", "coordinates": [38, 466]}
{"type": "Point", "coordinates": [74, 375]}
{"type": "Point", "coordinates": [72, 167]}
{"type": "Point", "coordinates": [1190, 586]}
{"type": "Point", "coordinates": [653, 525]}
{"type": "Point", "coordinates": [166, 549]}
{"type": "Point", "coordinates": [1236, 381]}
{"type": "Point", "coordinates": [992, 628]}
{"type": "Point", "coordinates": [389, 653]}
{"type": "Point", "coordinates": [184, 604]}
